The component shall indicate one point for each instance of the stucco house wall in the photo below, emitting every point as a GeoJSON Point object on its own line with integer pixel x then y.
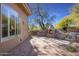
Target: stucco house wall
{"type": "Point", "coordinates": [13, 42]}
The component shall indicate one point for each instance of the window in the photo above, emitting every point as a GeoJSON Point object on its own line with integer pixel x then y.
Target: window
{"type": "Point", "coordinates": [10, 21]}
{"type": "Point", "coordinates": [0, 22]}
{"type": "Point", "coordinates": [4, 21]}
{"type": "Point", "coordinates": [18, 25]}
{"type": "Point", "coordinates": [12, 25]}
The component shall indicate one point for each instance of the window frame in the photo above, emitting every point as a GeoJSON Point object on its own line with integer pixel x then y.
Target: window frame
{"type": "Point", "coordinates": [0, 24]}
{"type": "Point", "coordinates": [9, 37]}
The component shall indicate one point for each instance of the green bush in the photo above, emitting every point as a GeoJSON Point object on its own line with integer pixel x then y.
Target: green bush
{"type": "Point", "coordinates": [53, 30]}
{"type": "Point", "coordinates": [71, 49]}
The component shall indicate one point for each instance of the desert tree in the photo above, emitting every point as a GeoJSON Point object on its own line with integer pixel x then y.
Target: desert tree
{"type": "Point", "coordinates": [42, 17]}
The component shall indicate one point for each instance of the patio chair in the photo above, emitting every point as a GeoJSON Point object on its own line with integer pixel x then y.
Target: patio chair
{"type": "Point", "coordinates": [60, 34]}
{"type": "Point", "coordinates": [74, 36]}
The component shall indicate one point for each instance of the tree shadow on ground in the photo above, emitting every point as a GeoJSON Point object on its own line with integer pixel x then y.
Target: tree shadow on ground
{"type": "Point", "coordinates": [23, 49]}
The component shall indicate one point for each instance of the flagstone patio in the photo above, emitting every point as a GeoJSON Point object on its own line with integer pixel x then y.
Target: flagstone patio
{"type": "Point", "coordinates": [42, 46]}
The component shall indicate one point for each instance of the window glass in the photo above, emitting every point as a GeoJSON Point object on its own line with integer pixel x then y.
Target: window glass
{"type": "Point", "coordinates": [4, 21]}
{"type": "Point", "coordinates": [12, 25]}
{"type": "Point", "coordinates": [13, 20]}
{"type": "Point", "coordinates": [0, 22]}
{"type": "Point", "coordinates": [10, 21]}
{"type": "Point", "coordinates": [18, 25]}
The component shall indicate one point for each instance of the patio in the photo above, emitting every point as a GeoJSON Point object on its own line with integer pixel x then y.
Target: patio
{"type": "Point", "coordinates": [42, 46]}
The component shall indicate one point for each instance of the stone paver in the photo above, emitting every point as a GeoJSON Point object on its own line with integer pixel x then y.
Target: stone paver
{"type": "Point", "coordinates": [51, 46]}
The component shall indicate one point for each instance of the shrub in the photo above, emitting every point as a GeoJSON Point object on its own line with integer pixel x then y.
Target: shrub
{"type": "Point", "coordinates": [71, 49]}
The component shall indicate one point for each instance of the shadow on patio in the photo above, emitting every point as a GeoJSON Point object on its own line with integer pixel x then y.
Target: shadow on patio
{"type": "Point", "coordinates": [23, 49]}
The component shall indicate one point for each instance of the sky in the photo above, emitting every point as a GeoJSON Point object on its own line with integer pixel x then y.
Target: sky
{"type": "Point", "coordinates": [60, 10]}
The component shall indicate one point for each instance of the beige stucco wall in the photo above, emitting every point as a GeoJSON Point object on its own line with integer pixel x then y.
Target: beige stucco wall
{"type": "Point", "coordinates": [11, 43]}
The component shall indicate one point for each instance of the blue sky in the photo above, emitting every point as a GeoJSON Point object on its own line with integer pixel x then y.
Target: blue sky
{"type": "Point", "coordinates": [58, 9]}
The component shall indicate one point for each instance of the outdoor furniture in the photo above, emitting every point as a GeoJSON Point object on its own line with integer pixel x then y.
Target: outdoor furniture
{"type": "Point", "coordinates": [77, 38]}
{"type": "Point", "coordinates": [49, 31]}
{"type": "Point", "coordinates": [60, 34]}
{"type": "Point", "coordinates": [73, 36]}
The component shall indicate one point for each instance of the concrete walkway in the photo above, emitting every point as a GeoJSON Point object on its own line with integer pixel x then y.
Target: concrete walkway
{"type": "Point", "coordinates": [42, 46]}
